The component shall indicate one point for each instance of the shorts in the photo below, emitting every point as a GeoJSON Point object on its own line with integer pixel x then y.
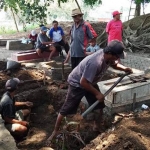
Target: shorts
{"type": "Point", "coordinates": [44, 49]}
{"type": "Point", "coordinates": [73, 99]}
{"type": "Point", "coordinates": [18, 116]}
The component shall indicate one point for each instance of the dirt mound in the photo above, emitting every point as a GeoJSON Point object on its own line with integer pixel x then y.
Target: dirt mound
{"type": "Point", "coordinates": [131, 133]}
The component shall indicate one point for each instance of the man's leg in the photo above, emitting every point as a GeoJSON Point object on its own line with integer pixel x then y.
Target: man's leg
{"type": "Point", "coordinates": [16, 129]}
{"type": "Point", "coordinates": [39, 52]}
{"type": "Point", "coordinates": [92, 99]}
{"type": "Point", "coordinates": [65, 45]}
{"type": "Point", "coordinates": [52, 50]}
{"type": "Point", "coordinates": [70, 106]}
{"type": "Point", "coordinates": [75, 61]}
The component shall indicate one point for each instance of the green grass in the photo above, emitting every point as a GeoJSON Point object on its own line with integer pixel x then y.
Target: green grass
{"type": "Point", "coordinates": [8, 30]}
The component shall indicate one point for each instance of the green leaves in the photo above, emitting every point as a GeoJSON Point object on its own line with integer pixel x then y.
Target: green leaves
{"type": "Point", "coordinates": [141, 1]}
{"type": "Point", "coordinates": [92, 2]}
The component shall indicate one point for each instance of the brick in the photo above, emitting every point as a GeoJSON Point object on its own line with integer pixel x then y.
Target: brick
{"type": "Point", "coordinates": [29, 55]}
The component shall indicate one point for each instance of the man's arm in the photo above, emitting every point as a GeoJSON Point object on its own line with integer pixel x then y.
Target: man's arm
{"type": "Point", "coordinates": [43, 42]}
{"type": "Point", "coordinates": [122, 68]}
{"type": "Point", "coordinates": [27, 103]}
{"type": "Point", "coordinates": [12, 121]}
{"type": "Point", "coordinates": [92, 35]}
{"type": "Point", "coordinates": [67, 58]}
{"type": "Point", "coordinates": [108, 27]}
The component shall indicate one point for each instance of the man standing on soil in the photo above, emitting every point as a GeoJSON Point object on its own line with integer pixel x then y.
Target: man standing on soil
{"type": "Point", "coordinates": [114, 28]}
{"type": "Point", "coordinates": [57, 35]}
{"type": "Point", "coordinates": [43, 44]}
{"type": "Point", "coordinates": [81, 34]}
{"type": "Point", "coordinates": [14, 120]}
{"type": "Point", "coordinates": [83, 81]}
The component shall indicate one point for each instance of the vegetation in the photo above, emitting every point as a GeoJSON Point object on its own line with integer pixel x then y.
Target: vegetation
{"type": "Point", "coordinates": [138, 6]}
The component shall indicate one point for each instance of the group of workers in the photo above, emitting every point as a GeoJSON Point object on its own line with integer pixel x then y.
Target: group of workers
{"type": "Point", "coordinates": [88, 67]}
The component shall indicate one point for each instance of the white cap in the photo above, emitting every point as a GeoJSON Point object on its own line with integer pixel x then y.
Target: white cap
{"type": "Point", "coordinates": [33, 32]}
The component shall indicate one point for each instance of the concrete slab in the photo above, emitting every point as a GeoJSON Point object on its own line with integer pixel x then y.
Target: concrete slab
{"type": "Point", "coordinates": [121, 98]}
{"type": "Point", "coordinates": [17, 45]}
{"type": "Point", "coordinates": [53, 69]}
{"type": "Point", "coordinates": [7, 142]}
{"type": "Point", "coordinates": [3, 42]}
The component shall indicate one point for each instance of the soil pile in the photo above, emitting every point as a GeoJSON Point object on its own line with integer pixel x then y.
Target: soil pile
{"type": "Point", "coordinates": [132, 133]}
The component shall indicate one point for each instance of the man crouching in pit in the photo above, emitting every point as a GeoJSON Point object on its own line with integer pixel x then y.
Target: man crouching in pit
{"type": "Point", "coordinates": [83, 81]}
{"type": "Point", "coordinates": [14, 120]}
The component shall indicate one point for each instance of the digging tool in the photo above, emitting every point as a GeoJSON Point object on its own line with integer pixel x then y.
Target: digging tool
{"type": "Point", "coordinates": [105, 94]}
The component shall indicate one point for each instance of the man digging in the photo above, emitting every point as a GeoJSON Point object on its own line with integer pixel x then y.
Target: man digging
{"type": "Point", "coordinates": [83, 81]}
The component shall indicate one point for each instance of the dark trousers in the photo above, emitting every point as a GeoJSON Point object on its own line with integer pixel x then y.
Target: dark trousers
{"type": "Point", "coordinates": [75, 61]}
{"type": "Point", "coordinates": [73, 99]}
{"type": "Point", "coordinates": [65, 45]}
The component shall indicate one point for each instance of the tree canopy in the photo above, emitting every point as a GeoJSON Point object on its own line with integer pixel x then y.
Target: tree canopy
{"type": "Point", "coordinates": [141, 1]}
{"type": "Point", "coordinates": [36, 10]}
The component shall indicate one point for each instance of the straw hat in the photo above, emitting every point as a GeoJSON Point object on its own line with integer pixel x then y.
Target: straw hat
{"type": "Point", "coordinates": [76, 12]}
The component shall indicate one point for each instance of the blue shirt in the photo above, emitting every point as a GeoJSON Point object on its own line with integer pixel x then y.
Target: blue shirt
{"type": "Point", "coordinates": [56, 34]}
{"type": "Point", "coordinates": [93, 48]}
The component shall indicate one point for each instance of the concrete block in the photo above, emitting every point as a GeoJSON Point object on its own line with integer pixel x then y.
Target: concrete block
{"type": "Point", "coordinates": [7, 142]}
{"type": "Point", "coordinates": [121, 97]}
{"type": "Point", "coordinates": [53, 69]}
{"type": "Point", "coordinates": [3, 42]}
{"type": "Point", "coordinates": [17, 45]}
{"type": "Point", "coordinates": [29, 56]}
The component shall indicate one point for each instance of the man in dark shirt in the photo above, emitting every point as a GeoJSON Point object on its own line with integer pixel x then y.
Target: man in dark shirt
{"type": "Point", "coordinates": [14, 120]}
{"type": "Point", "coordinates": [83, 80]}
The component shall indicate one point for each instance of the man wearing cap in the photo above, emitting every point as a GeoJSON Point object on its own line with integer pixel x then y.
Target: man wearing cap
{"type": "Point", "coordinates": [14, 120]}
{"type": "Point", "coordinates": [83, 80]}
{"type": "Point", "coordinates": [81, 34]}
{"type": "Point", "coordinates": [43, 44]}
{"type": "Point", "coordinates": [114, 28]}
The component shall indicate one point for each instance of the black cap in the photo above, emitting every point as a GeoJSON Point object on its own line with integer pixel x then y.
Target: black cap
{"type": "Point", "coordinates": [12, 84]}
{"type": "Point", "coordinates": [115, 47]}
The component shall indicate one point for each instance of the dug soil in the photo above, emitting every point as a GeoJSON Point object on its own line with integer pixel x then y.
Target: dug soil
{"type": "Point", "coordinates": [130, 133]}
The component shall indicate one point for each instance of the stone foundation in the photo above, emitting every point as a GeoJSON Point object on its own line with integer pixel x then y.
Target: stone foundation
{"type": "Point", "coordinates": [54, 70]}
{"type": "Point", "coordinates": [17, 45]}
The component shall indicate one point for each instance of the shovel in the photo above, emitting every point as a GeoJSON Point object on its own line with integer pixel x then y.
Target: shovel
{"type": "Point", "coordinates": [105, 94]}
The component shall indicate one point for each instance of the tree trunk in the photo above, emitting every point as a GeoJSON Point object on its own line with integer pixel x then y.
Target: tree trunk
{"type": "Point", "coordinates": [78, 4]}
{"type": "Point", "coordinates": [137, 10]}
{"type": "Point", "coordinates": [14, 20]}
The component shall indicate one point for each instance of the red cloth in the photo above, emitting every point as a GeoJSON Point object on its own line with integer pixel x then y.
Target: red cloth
{"type": "Point", "coordinates": [114, 29]}
{"type": "Point", "coordinates": [33, 38]}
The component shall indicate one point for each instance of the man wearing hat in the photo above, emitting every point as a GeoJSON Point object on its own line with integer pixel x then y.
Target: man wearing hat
{"type": "Point", "coordinates": [114, 28]}
{"type": "Point", "coordinates": [83, 81]}
{"type": "Point", "coordinates": [44, 44]}
{"type": "Point", "coordinates": [81, 34]}
{"type": "Point", "coordinates": [14, 120]}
